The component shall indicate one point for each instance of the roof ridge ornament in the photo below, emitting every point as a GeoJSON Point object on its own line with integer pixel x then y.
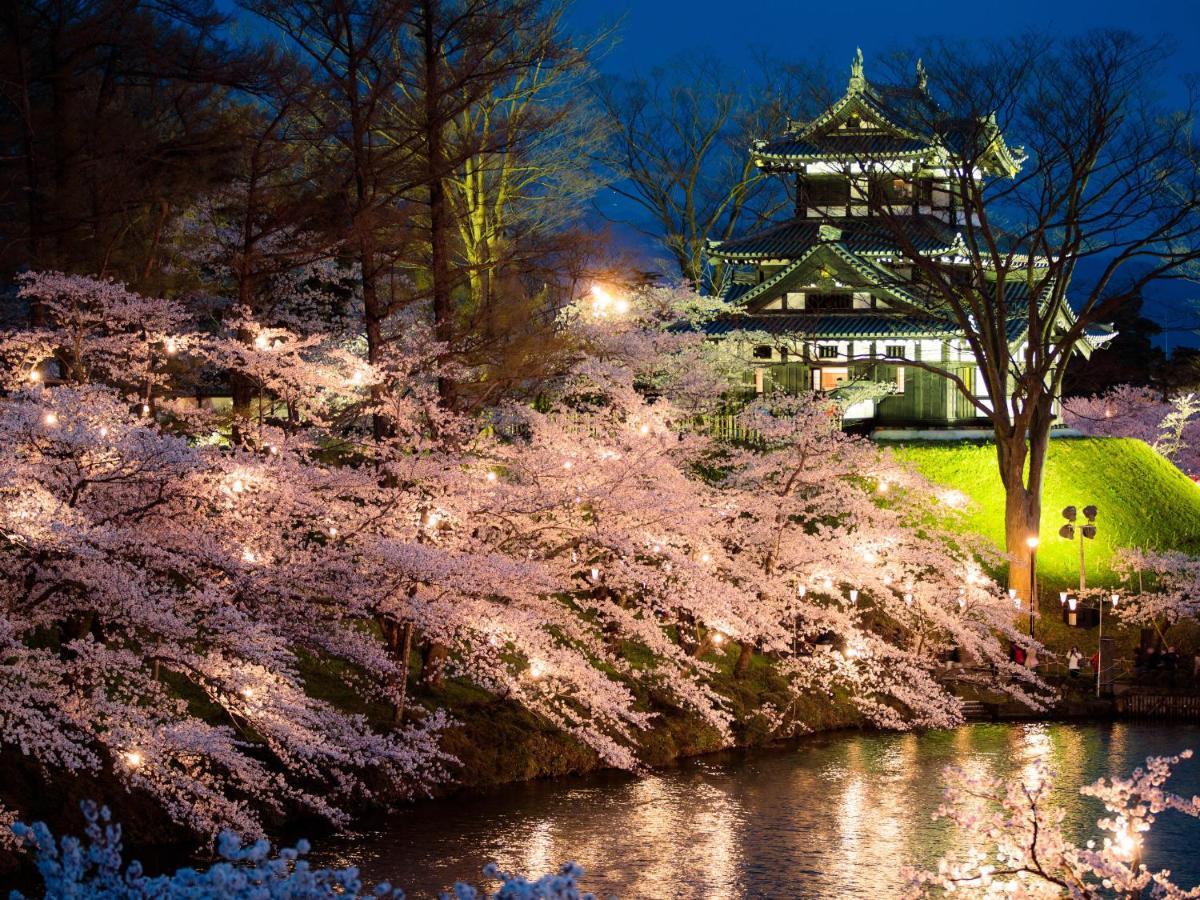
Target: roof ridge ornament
{"type": "Point", "coordinates": [857, 80]}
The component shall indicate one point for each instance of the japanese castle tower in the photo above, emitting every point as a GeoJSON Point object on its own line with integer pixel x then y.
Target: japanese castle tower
{"type": "Point", "coordinates": [826, 301]}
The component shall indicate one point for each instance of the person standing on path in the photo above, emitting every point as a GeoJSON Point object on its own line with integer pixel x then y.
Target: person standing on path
{"type": "Point", "coordinates": [1074, 658]}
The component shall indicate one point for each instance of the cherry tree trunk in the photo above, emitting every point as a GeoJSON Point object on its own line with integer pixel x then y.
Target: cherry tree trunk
{"type": "Point", "coordinates": [745, 652]}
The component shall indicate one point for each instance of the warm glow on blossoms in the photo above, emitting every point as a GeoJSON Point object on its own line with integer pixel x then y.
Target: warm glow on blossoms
{"type": "Point", "coordinates": [133, 759]}
{"type": "Point", "coordinates": [954, 499]}
{"type": "Point", "coordinates": [605, 304]}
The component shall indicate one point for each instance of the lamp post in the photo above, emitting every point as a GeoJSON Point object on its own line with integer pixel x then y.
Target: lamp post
{"type": "Point", "coordinates": [1100, 640]}
{"type": "Point", "coordinates": [1087, 531]}
{"type": "Point", "coordinates": [1032, 543]}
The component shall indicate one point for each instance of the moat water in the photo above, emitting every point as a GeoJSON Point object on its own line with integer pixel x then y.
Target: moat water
{"type": "Point", "coordinates": [836, 817]}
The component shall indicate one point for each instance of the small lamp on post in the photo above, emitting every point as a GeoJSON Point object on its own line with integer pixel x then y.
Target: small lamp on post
{"type": "Point", "coordinates": [1032, 543]}
{"type": "Point", "coordinates": [1114, 599]}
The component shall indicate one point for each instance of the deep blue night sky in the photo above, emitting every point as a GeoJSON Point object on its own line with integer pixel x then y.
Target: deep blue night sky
{"type": "Point", "coordinates": [653, 30]}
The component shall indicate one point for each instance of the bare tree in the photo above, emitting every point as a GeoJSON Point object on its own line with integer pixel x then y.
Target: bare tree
{"type": "Point", "coordinates": [521, 182]}
{"type": "Point", "coordinates": [348, 46]}
{"type": "Point", "coordinates": [679, 150]}
{"type": "Point", "coordinates": [1056, 236]}
{"type": "Point", "coordinates": [114, 115]}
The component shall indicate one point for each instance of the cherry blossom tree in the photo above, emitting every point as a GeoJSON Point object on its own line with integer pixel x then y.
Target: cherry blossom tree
{"type": "Point", "coordinates": [168, 591]}
{"type": "Point", "coordinates": [1165, 587]}
{"type": "Point", "coordinates": [1170, 426]}
{"type": "Point", "coordinates": [1018, 845]}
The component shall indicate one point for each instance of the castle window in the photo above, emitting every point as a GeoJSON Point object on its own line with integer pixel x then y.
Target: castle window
{"type": "Point", "coordinates": [894, 351]}
{"type": "Point", "coordinates": [833, 377]}
{"type": "Point", "coordinates": [925, 191]}
{"type": "Point", "coordinates": [762, 351]}
{"type": "Point", "coordinates": [827, 191]}
{"type": "Point", "coordinates": [827, 351]}
{"type": "Point", "coordinates": [889, 189]}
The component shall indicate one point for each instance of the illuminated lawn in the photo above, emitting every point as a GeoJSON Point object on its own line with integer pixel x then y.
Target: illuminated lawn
{"type": "Point", "coordinates": [1144, 501]}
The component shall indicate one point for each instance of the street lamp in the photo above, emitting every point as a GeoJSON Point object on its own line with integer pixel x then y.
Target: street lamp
{"type": "Point", "coordinates": [1087, 531]}
{"type": "Point", "coordinates": [1032, 543]}
{"type": "Point", "coordinates": [1114, 600]}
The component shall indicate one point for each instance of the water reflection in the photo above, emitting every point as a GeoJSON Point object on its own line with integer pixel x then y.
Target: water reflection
{"type": "Point", "coordinates": [836, 818]}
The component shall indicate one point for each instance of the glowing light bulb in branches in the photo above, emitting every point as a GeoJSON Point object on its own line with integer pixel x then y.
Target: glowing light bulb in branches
{"type": "Point", "coordinates": [133, 759]}
{"type": "Point", "coordinates": [171, 346]}
{"type": "Point", "coordinates": [261, 342]}
{"type": "Point", "coordinates": [50, 419]}
{"type": "Point", "coordinates": [35, 376]}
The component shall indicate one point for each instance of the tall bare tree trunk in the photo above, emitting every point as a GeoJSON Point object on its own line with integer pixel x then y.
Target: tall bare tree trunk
{"type": "Point", "coordinates": [1022, 471]}
{"type": "Point", "coordinates": [440, 214]}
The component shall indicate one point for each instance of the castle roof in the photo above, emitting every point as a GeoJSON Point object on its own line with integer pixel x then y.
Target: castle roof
{"type": "Point", "coordinates": [887, 122]}
{"type": "Point", "coordinates": [860, 235]}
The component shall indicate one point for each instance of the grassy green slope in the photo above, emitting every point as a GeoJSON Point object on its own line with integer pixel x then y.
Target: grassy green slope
{"type": "Point", "coordinates": [1144, 501]}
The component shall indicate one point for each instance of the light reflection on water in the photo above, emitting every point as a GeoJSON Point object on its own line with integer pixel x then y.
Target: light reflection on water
{"type": "Point", "coordinates": [837, 817]}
